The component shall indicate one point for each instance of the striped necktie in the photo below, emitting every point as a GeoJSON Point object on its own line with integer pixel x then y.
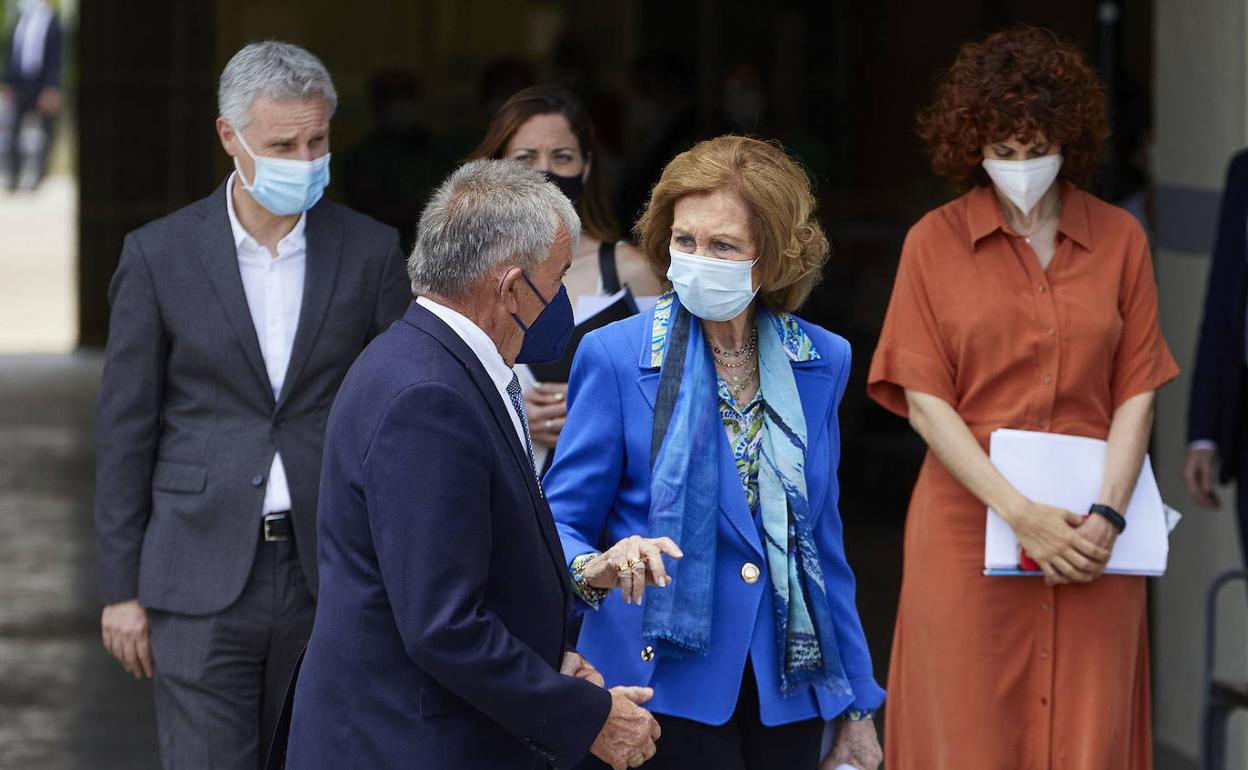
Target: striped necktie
{"type": "Point", "coordinates": [517, 403]}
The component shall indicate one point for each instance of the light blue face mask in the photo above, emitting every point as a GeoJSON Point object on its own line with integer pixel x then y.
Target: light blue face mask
{"type": "Point", "coordinates": [711, 289]}
{"type": "Point", "coordinates": [283, 186]}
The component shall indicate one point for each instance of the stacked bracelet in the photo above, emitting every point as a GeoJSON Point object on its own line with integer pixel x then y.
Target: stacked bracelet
{"type": "Point", "coordinates": [588, 594]}
{"type": "Point", "coordinates": [1110, 515]}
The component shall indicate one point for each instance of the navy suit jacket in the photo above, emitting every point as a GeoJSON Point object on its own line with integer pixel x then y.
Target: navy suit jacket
{"type": "Point", "coordinates": [1215, 411]}
{"type": "Point", "coordinates": [445, 603]}
{"type": "Point", "coordinates": [28, 86]}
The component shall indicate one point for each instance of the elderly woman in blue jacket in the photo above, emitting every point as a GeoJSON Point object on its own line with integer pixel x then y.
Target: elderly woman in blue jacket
{"type": "Point", "coordinates": [699, 458]}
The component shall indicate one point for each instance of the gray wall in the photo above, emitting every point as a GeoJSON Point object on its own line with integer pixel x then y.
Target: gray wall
{"type": "Point", "coordinates": [1200, 104]}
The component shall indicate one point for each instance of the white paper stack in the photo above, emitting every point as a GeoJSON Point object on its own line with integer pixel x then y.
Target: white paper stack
{"type": "Point", "coordinates": [1066, 471]}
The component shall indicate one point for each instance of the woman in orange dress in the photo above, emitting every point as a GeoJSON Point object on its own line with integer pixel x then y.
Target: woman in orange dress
{"type": "Point", "coordinates": [1026, 303]}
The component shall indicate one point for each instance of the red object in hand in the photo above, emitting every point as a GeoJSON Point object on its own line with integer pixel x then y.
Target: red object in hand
{"type": "Point", "coordinates": [1027, 563]}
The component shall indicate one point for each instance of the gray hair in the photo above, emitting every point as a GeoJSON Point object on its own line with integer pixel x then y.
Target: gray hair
{"type": "Point", "coordinates": [487, 213]}
{"type": "Point", "coordinates": [274, 70]}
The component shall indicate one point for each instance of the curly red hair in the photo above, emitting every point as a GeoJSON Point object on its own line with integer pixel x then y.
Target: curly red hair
{"type": "Point", "coordinates": [1016, 84]}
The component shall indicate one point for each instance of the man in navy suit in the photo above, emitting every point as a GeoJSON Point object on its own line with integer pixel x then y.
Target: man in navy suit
{"type": "Point", "coordinates": [32, 84]}
{"type": "Point", "coordinates": [1217, 419]}
{"type": "Point", "coordinates": [442, 628]}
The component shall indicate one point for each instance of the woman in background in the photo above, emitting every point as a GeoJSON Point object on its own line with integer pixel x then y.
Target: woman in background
{"type": "Point", "coordinates": [1026, 303]}
{"type": "Point", "coordinates": [547, 129]}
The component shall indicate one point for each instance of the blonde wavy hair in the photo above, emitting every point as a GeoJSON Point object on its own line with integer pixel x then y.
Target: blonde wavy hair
{"type": "Point", "coordinates": [778, 193]}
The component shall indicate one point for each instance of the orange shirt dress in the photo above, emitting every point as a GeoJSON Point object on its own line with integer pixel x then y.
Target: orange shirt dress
{"type": "Point", "coordinates": [1006, 673]}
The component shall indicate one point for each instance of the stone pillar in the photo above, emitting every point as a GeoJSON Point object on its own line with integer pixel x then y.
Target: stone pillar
{"type": "Point", "coordinates": [1200, 104]}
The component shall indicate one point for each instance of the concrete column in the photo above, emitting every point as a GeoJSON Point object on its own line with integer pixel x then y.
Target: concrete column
{"type": "Point", "coordinates": [1202, 119]}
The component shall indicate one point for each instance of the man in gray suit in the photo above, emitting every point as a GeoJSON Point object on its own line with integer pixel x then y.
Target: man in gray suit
{"type": "Point", "coordinates": [233, 323]}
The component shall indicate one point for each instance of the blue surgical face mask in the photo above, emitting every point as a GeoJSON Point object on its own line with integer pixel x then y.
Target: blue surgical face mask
{"type": "Point", "coordinates": [546, 339]}
{"type": "Point", "coordinates": [711, 289]}
{"type": "Point", "coordinates": [283, 186]}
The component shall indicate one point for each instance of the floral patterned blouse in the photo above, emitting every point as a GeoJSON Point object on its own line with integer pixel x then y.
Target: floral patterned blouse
{"type": "Point", "coordinates": [744, 426]}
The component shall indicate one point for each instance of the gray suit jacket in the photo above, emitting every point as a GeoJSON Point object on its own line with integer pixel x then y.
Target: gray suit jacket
{"type": "Point", "coordinates": [187, 424]}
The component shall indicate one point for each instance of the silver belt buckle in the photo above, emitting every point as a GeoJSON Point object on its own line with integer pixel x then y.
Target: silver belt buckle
{"type": "Point", "coordinates": [269, 535]}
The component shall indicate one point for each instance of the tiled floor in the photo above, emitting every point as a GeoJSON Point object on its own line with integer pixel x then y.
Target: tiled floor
{"type": "Point", "coordinates": [64, 704]}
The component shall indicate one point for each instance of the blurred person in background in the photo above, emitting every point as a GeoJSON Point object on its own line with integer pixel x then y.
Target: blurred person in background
{"type": "Point", "coordinates": [1217, 420]}
{"type": "Point", "coordinates": [233, 322]}
{"type": "Point", "coordinates": [32, 87]}
{"type": "Point", "coordinates": [547, 129]}
{"type": "Point", "coordinates": [1026, 303]}
{"type": "Point", "coordinates": [700, 458]}
{"type": "Point", "coordinates": [389, 174]}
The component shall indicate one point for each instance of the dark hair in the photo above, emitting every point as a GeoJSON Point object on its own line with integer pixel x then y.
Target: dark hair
{"type": "Point", "coordinates": [598, 219]}
{"type": "Point", "coordinates": [1014, 85]}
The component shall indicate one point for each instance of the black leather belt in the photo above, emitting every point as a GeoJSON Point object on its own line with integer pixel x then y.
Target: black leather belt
{"type": "Point", "coordinates": [277, 527]}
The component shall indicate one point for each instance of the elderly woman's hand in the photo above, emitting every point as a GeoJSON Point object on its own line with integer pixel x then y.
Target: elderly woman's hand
{"type": "Point", "coordinates": [632, 564]}
{"type": "Point", "coordinates": [856, 745]}
{"type": "Point", "coordinates": [547, 408]}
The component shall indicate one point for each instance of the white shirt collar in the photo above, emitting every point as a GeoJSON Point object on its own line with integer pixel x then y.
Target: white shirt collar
{"type": "Point", "coordinates": [241, 235]}
{"type": "Point", "coordinates": [476, 339]}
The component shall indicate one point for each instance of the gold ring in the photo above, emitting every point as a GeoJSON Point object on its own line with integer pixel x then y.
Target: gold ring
{"type": "Point", "coordinates": [624, 568]}
{"type": "Point", "coordinates": [632, 563]}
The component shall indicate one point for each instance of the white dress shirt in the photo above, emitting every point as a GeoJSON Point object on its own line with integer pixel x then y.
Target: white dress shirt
{"type": "Point", "coordinates": [29, 36]}
{"type": "Point", "coordinates": [486, 351]}
{"type": "Point", "coordinates": [274, 288]}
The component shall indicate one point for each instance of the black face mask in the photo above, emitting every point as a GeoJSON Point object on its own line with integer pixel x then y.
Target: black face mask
{"type": "Point", "coordinates": [571, 186]}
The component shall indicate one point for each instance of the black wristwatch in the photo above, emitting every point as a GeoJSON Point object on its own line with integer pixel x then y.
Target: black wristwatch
{"type": "Point", "coordinates": [1112, 516]}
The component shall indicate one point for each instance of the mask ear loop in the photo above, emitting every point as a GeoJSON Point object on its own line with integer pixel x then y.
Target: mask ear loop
{"type": "Point", "coordinates": [503, 280]}
{"type": "Point", "coordinates": [533, 288]}
{"type": "Point", "coordinates": [238, 168]}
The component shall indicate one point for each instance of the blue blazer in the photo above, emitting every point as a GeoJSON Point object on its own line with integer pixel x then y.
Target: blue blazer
{"type": "Point", "coordinates": [445, 606]}
{"type": "Point", "coordinates": [1215, 411]}
{"type": "Point", "coordinates": [599, 491]}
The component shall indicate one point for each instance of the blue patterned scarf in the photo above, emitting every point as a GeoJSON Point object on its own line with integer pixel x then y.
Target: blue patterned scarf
{"type": "Point", "coordinates": [684, 505]}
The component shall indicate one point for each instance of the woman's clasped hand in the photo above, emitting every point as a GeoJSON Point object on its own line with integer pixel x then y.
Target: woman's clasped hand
{"type": "Point", "coordinates": [1069, 547]}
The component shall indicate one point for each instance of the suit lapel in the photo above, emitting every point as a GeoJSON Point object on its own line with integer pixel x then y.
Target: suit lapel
{"type": "Point", "coordinates": [814, 387]}
{"type": "Point", "coordinates": [731, 498]}
{"type": "Point", "coordinates": [219, 258]}
{"type": "Point", "coordinates": [427, 322]}
{"type": "Point", "coordinates": [324, 252]}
